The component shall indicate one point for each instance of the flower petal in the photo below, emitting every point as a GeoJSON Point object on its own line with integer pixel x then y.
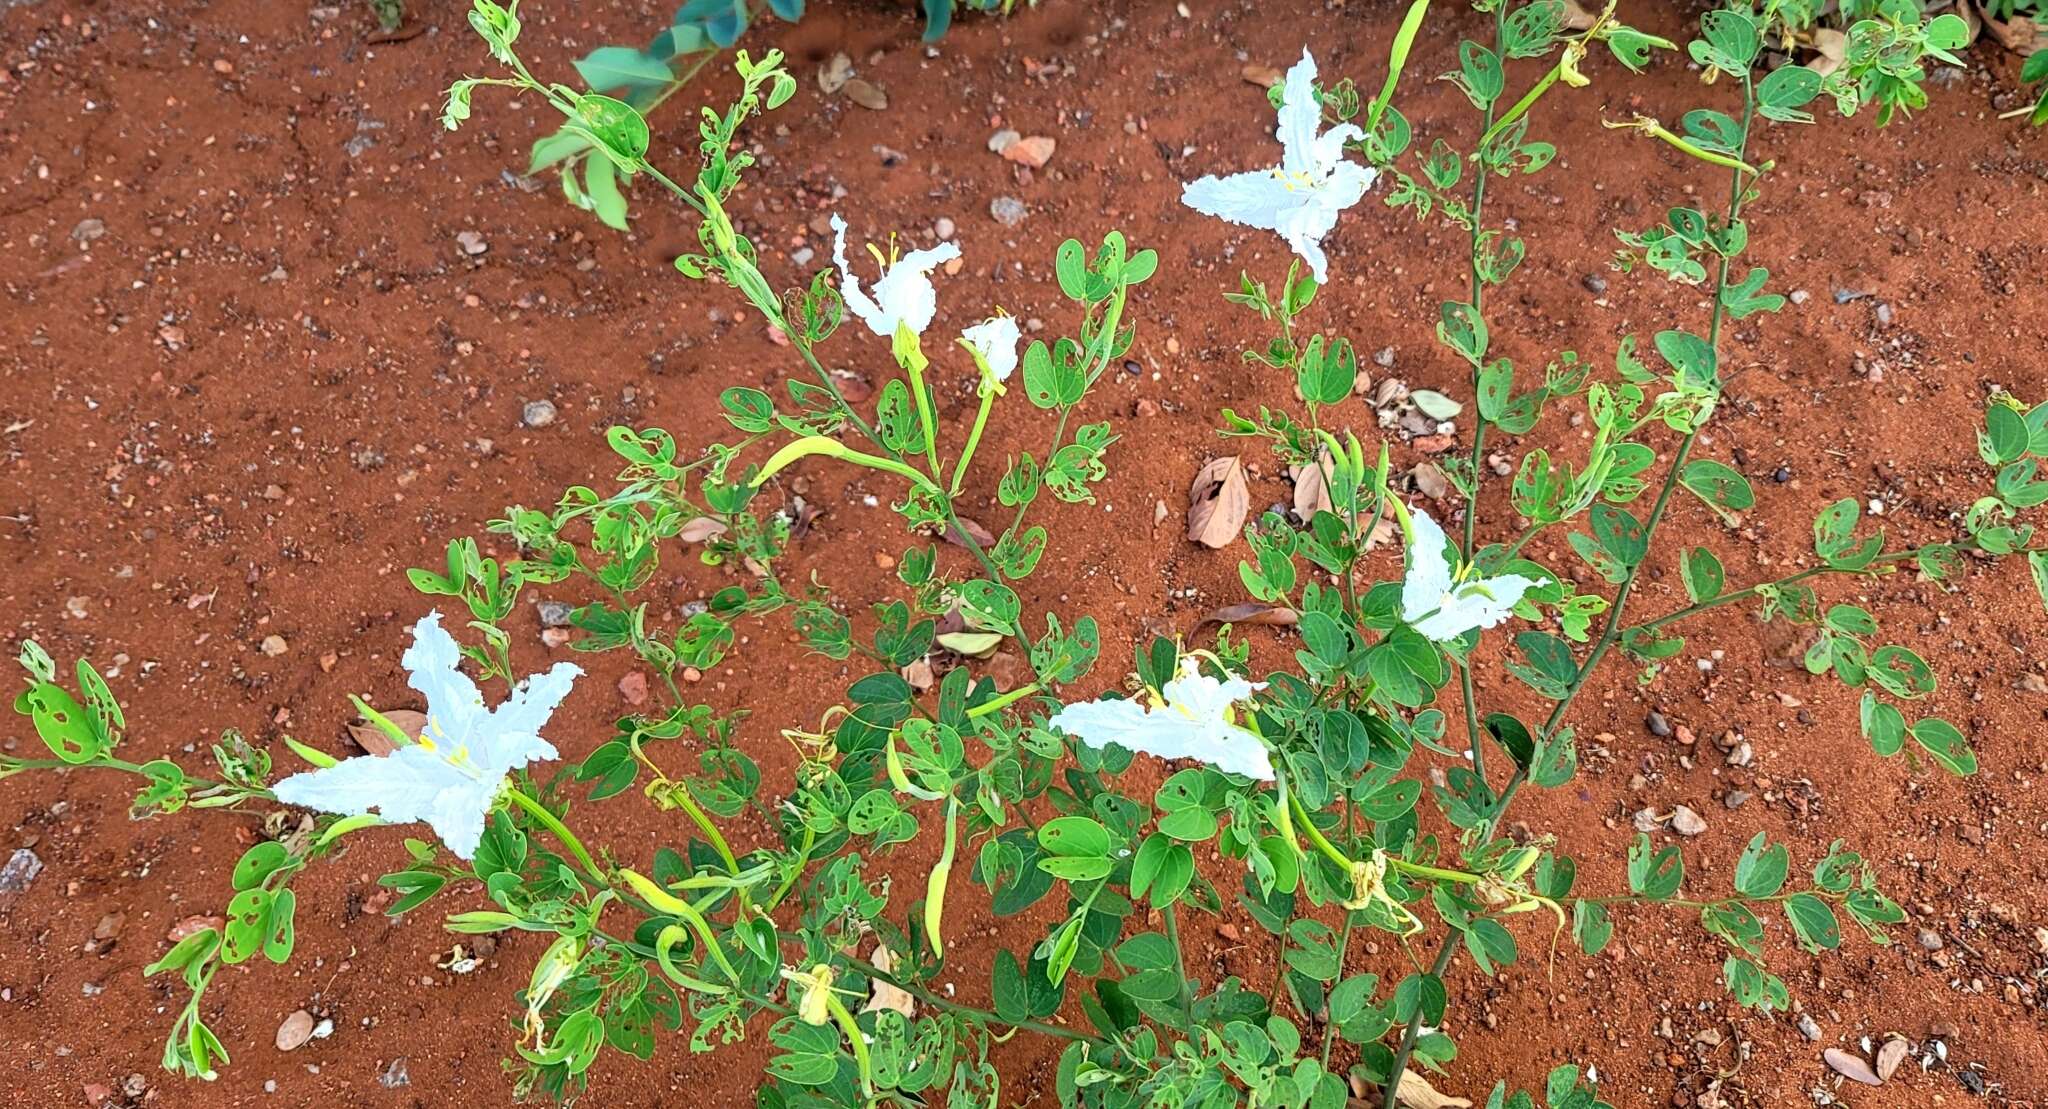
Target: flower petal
{"type": "Point", "coordinates": [512, 739]}
{"type": "Point", "coordinates": [1254, 199]}
{"type": "Point", "coordinates": [434, 667]}
{"type": "Point", "coordinates": [401, 787]}
{"type": "Point", "coordinates": [857, 302]}
{"type": "Point", "coordinates": [905, 292]}
{"type": "Point", "coordinates": [1301, 116]}
{"type": "Point", "coordinates": [1429, 573]}
{"type": "Point", "coordinates": [996, 339]}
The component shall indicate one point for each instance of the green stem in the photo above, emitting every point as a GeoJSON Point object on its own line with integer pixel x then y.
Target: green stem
{"type": "Point", "coordinates": [1478, 285]}
{"type": "Point", "coordinates": [1180, 964]}
{"type": "Point", "coordinates": [988, 397]}
{"type": "Point", "coordinates": [1002, 701]}
{"type": "Point", "coordinates": [561, 831]}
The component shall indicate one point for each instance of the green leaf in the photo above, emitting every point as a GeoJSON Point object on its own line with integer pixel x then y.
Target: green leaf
{"type": "Point", "coordinates": [1074, 836]}
{"type": "Point", "coordinates": [1761, 870]}
{"type": "Point", "coordinates": [1550, 669]}
{"type": "Point", "coordinates": [248, 919]}
{"type": "Point", "coordinates": [1591, 926]}
{"type": "Point", "coordinates": [1785, 90]}
{"type": "Point", "coordinates": [258, 863]}
{"type": "Point", "coordinates": [1813, 922]}
{"type": "Point", "coordinates": [601, 189]}
{"type": "Point", "coordinates": [1655, 873]}
{"type": "Point", "coordinates": [1883, 725]}
{"type": "Point", "coordinates": [1946, 745]}
{"type": "Point", "coordinates": [1753, 986]}
{"type": "Point", "coordinates": [1745, 298]}
{"type": "Point", "coordinates": [1719, 485]}
{"type": "Point", "coordinates": [2006, 436]}
{"type": "Point", "coordinates": [1834, 536]}
{"type": "Point", "coordinates": [1420, 993]}
{"type": "Point", "coordinates": [279, 935]}
{"type": "Point", "coordinates": [2037, 562]}
{"type": "Point", "coordinates": [1703, 575]}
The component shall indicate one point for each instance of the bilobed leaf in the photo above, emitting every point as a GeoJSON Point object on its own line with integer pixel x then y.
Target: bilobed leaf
{"type": "Point", "coordinates": [1813, 922]}
{"type": "Point", "coordinates": [1761, 870]}
{"type": "Point", "coordinates": [1703, 575]}
{"type": "Point", "coordinates": [1719, 485]}
{"type": "Point", "coordinates": [1944, 742]}
{"type": "Point", "coordinates": [1655, 873]}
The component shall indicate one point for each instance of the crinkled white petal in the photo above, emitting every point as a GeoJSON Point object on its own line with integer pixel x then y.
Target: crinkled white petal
{"type": "Point", "coordinates": [1194, 724]}
{"type": "Point", "coordinates": [1254, 199]}
{"type": "Point", "coordinates": [434, 667]}
{"type": "Point", "coordinates": [1329, 153]}
{"type": "Point", "coordinates": [1202, 697]}
{"type": "Point", "coordinates": [511, 739]}
{"type": "Point", "coordinates": [1300, 117]}
{"type": "Point", "coordinates": [996, 339]}
{"type": "Point", "coordinates": [1441, 611]}
{"type": "Point", "coordinates": [903, 294]}
{"type": "Point", "coordinates": [1428, 577]}
{"type": "Point", "coordinates": [410, 784]}
{"type": "Point", "coordinates": [1475, 604]}
{"type": "Point", "coordinates": [857, 302]}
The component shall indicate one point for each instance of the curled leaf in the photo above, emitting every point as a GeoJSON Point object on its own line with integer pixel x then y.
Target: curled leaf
{"type": "Point", "coordinates": [1218, 502]}
{"type": "Point", "coordinates": [372, 738]}
{"type": "Point", "coordinates": [882, 995]}
{"type": "Point", "coordinates": [1252, 612]}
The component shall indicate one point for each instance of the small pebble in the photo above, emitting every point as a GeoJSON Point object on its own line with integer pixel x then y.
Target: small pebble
{"type": "Point", "coordinates": [1686, 822]}
{"type": "Point", "coordinates": [275, 645]}
{"type": "Point", "coordinates": [1808, 1028]}
{"type": "Point", "coordinates": [538, 413]}
{"type": "Point", "coordinates": [1659, 727]}
{"type": "Point", "coordinates": [1007, 210]}
{"type": "Point", "coordinates": [943, 228]}
{"type": "Point", "coordinates": [1594, 283]}
{"type": "Point", "coordinates": [554, 614]}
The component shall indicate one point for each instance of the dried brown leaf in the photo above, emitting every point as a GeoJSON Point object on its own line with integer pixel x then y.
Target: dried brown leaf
{"type": "Point", "coordinates": [1312, 488]}
{"type": "Point", "coordinates": [1252, 612]}
{"type": "Point", "coordinates": [1832, 46]}
{"type": "Point", "coordinates": [2020, 34]}
{"type": "Point", "coordinates": [865, 94]}
{"type": "Point", "coordinates": [1889, 1057]}
{"type": "Point", "coordinates": [1264, 76]}
{"type": "Point", "coordinates": [981, 534]}
{"type": "Point", "coordinates": [834, 73]}
{"type": "Point", "coordinates": [1850, 1066]}
{"type": "Point", "coordinates": [919, 674]}
{"type": "Point", "coordinates": [1218, 502]}
{"type": "Point", "coordinates": [1415, 1092]}
{"type": "Point", "coordinates": [372, 739]}
{"type": "Point", "coordinates": [882, 995]}
{"type": "Point", "coordinates": [1577, 18]}
{"type": "Point", "coordinates": [703, 529]}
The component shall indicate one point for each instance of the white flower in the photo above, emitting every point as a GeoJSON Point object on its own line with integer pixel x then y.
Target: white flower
{"type": "Point", "coordinates": [995, 340]}
{"type": "Point", "coordinates": [1440, 607]}
{"type": "Point", "coordinates": [1193, 723]}
{"type": "Point", "coordinates": [450, 777]}
{"type": "Point", "coordinates": [903, 294]}
{"type": "Point", "coordinates": [1299, 198]}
